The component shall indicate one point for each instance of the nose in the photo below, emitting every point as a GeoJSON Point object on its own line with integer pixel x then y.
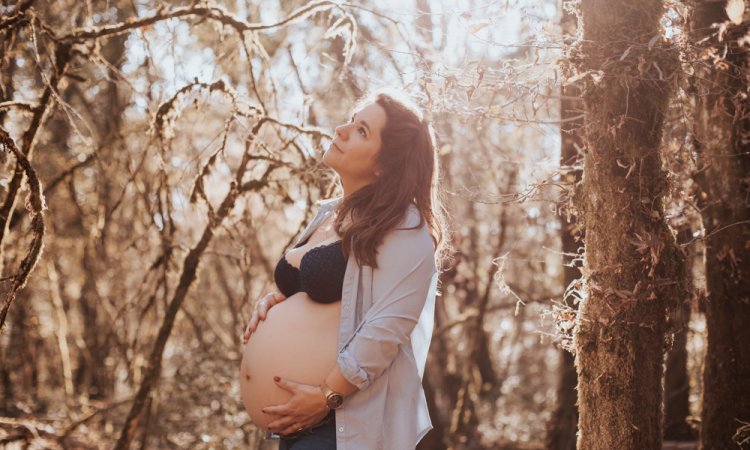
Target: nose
{"type": "Point", "coordinates": [343, 132]}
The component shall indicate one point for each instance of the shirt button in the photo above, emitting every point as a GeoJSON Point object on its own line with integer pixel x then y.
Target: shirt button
{"type": "Point", "coordinates": [341, 429]}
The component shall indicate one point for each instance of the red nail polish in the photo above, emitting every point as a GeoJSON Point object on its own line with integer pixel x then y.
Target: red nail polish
{"type": "Point", "coordinates": [276, 379]}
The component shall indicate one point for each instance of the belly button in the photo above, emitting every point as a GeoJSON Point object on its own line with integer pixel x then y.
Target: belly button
{"type": "Point", "coordinates": [247, 377]}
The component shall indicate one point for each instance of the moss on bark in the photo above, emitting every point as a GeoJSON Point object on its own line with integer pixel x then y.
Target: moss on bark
{"type": "Point", "coordinates": [632, 265]}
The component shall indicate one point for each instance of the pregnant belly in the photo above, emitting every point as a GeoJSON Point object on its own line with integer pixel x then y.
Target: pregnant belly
{"type": "Point", "coordinates": [297, 341]}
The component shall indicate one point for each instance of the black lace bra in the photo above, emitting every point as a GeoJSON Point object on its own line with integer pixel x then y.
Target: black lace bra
{"type": "Point", "coordinates": [320, 274]}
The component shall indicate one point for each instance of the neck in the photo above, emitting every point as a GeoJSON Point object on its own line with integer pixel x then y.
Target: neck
{"type": "Point", "coordinates": [352, 186]}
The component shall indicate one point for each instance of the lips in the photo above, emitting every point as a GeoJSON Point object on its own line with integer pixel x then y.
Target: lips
{"type": "Point", "coordinates": [336, 147]}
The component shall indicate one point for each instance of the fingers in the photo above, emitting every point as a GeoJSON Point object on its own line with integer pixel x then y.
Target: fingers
{"type": "Point", "coordinates": [246, 334]}
{"type": "Point", "coordinates": [250, 329]}
{"type": "Point", "coordinates": [278, 410]}
{"type": "Point", "coordinates": [263, 308]}
{"type": "Point", "coordinates": [264, 305]}
{"type": "Point", "coordinates": [293, 428]}
{"type": "Point", "coordinates": [253, 324]}
{"type": "Point", "coordinates": [261, 313]}
{"type": "Point", "coordinates": [288, 425]}
{"type": "Point", "coordinates": [287, 385]}
{"type": "Point", "coordinates": [285, 408]}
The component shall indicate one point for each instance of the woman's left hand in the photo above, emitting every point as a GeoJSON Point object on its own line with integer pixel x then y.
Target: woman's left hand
{"type": "Point", "coordinates": [306, 408]}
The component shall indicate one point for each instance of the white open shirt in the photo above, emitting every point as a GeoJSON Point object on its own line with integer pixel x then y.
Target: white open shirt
{"type": "Point", "coordinates": [387, 316]}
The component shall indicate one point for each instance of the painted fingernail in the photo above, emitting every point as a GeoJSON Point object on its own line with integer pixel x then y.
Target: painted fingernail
{"type": "Point", "coordinates": [276, 379]}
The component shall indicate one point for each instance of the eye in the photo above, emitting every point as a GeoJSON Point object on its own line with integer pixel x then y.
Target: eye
{"type": "Point", "coordinates": [362, 131]}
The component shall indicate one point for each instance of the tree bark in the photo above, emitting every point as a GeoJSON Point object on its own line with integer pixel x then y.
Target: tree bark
{"type": "Point", "coordinates": [677, 382]}
{"type": "Point", "coordinates": [632, 266]}
{"type": "Point", "coordinates": [676, 377]}
{"type": "Point", "coordinates": [562, 427]}
{"type": "Point", "coordinates": [722, 132]}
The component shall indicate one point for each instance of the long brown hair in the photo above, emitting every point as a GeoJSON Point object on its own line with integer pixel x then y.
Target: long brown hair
{"type": "Point", "coordinates": [409, 173]}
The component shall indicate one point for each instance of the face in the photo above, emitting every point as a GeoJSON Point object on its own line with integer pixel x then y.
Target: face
{"type": "Point", "coordinates": [353, 152]}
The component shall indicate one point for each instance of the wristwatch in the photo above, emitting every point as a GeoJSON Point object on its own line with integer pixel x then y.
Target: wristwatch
{"type": "Point", "coordinates": [333, 398]}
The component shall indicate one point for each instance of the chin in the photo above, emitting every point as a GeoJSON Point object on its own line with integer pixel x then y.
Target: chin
{"type": "Point", "coordinates": [327, 161]}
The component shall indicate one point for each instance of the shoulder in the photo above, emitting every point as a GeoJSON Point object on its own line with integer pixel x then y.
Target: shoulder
{"type": "Point", "coordinates": [407, 247]}
{"type": "Point", "coordinates": [410, 234]}
{"type": "Point", "coordinates": [411, 219]}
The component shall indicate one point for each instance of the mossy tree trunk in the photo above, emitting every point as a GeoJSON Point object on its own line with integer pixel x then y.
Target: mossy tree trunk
{"type": "Point", "coordinates": [722, 141]}
{"type": "Point", "coordinates": [562, 427]}
{"type": "Point", "coordinates": [677, 378]}
{"type": "Point", "coordinates": [633, 269]}
{"type": "Point", "coordinates": [677, 381]}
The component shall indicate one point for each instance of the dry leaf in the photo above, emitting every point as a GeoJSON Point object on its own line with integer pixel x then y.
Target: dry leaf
{"type": "Point", "coordinates": [652, 41]}
{"type": "Point", "coordinates": [476, 26]}
{"type": "Point", "coordinates": [625, 53]}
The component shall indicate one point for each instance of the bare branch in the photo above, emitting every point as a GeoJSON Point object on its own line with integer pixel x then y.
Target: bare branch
{"type": "Point", "coordinates": [18, 16]}
{"type": "Point", "coordinates": [23, 106]}
{"type": "Point", "coordinates": [208, 10]}
{"type": "Point", "coordinates": [188, 275]}
{"type": "Point", "coordinates": [69, 171]}
{"type": "Point", "coordinates": [35, 204]}
{"type": "Point", "coordinates": [62, 58]}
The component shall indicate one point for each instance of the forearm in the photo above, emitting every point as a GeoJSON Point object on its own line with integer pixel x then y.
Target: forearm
{"type": "Point", "coordinates": [400, 286]}
{"type": "Point", "coordinates": [338, 383]}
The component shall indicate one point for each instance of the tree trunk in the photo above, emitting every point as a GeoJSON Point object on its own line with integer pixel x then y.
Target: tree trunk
{"type": "Point", "coordinates": [561, 434]}
{"type": "Point", "coordinates": [677, 381]}
{"type": "Point", "coordinates": [562, 427]}
{"type": "Point", "coordinates": [632, 265]}
{"type": "Point", "coordinates": [676, 377]}
{"type": "Point", "coordinates": [722, 132]}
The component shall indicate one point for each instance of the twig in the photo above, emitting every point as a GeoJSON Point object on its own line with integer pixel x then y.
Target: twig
{"type": "Point", "coordinates": [18, 16]}
{"type": "Point", "coordinates": [208, 10]}
{"type": "Point", "coordinates": [35, 204]}
{"type": "Point", "coordinates": [24, 106]}
{"type": "Point", "coordinates": [189, 272]}
{"type": "Point", "coordinates": [70, 428]}
{"type": "Point", "coordinates": [62, 58]}
{"type": "Point", "coordinates": [67, 172]}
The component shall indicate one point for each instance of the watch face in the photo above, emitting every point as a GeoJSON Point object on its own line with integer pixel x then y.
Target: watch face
{"type": "Point", "coordinates": [335, 400]}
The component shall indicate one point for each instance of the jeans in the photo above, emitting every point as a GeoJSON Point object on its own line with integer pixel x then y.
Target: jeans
{"type": "Point", "coordinates": [320, 437]}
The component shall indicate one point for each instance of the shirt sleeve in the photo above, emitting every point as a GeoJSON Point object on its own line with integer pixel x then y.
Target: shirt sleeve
{"type": "Point", "coordinates": [400, 286]}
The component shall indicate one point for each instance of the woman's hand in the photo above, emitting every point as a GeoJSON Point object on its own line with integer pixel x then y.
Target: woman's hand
{"type": "Point", "coordinates": [306, 408]}
{"type": "Point", "coordinates": [260, 312]}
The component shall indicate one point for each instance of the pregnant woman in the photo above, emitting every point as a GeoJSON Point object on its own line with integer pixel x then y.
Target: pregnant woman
{"type": "Point", "coordinates": [335, 359]}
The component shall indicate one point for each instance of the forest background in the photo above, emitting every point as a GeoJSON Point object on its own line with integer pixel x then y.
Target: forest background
{"type": "Point", "coordinates": [157, 158]}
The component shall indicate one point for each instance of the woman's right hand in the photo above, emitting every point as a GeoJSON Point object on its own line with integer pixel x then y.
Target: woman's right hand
{"type": "Point", "coordinates": [260, 312]}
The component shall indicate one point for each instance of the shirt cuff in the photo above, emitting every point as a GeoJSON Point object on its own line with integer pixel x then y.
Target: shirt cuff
{"type": "Point", "coordinates": [351, 370]}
